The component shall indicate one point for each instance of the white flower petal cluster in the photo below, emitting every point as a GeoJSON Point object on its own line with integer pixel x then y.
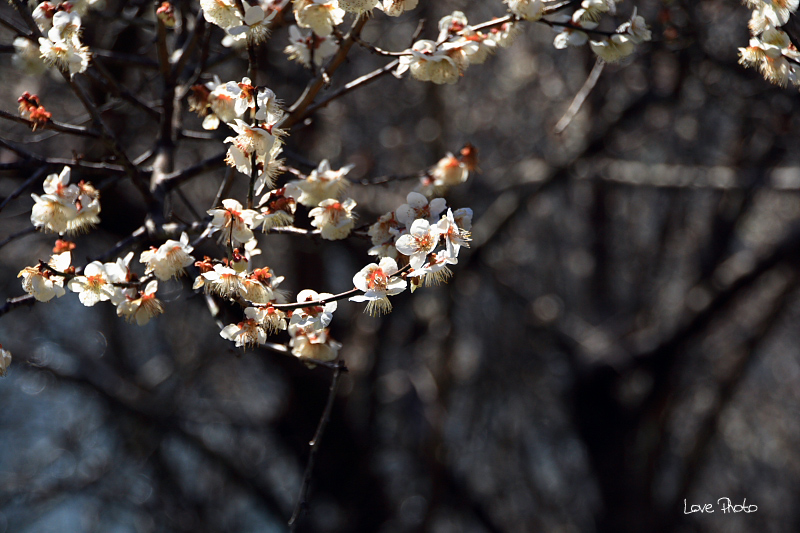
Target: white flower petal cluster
{"type": "Point", "coordinates": [277, 208]}
{"type": "Point", "coordinates": [322, 183]}
{"type": "Point", "coordinates": [377, 281]}
{"type": "Point", "coordinates": [65, 207]}
{"type": "Point", "coordinates": [770, 13]}
{"type": "Point", "coordinates": [308, 48]}
{"type": "Point", "coordinates": [259, 142]}
{"type": "Point", "coordinates": [448, 171]}
{"type": "Point", "coordinates": [613, 48]}
{"type": "Point", "coordinates": [526, 9]}
{"type": "Point", "coordinates": [168, 260]}
{"type": "Point", "coordinates": [313, 317]}
{"type": "Point", "coordinates": [225, 102]}
{"type": "Point", "coordinates": [254, 26]}
{"type": "Point", "coordinates": [571, 35]}
{"type": "Point", "coordinates": [143, 307]}
{"type": "Point", "coordinates": [222, 13]}
{"type": "Point", "coordinates": [253, 330]}
{"type": "Point", "coordinates": [43, 284]}
{"type": "Point", "coordinates": [395, 8]}
{"type": "Point", "coordinates": [420, 240]}
{"type": "Point", "coordinates": [233, 222]}
{"type": "Point", "coordinates": [438, 63]}
{"type": "Point", "coordinates": [770, 52]}
{"type": "Point", "coordinates": [456, 25]}
{"type": "Point", "coordinates": [27, 57]}
{"type": "Point", "coordinates": [93, 286]}
{"type": "Point", "coordinates": [333, 218]}
{"type": "Point", "coordinates": [319, 15]}
{"type": "Point", "coordinates": [358, 6]}
{"type": "Point", "coordinates": [62, 46]}
{"type": "Point", "coordinates": [314, 346]}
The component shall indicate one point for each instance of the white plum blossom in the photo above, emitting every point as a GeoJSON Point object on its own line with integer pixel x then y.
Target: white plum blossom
{"type": "Point", "coordinates": [768, 52]}
{"type": "Point", "coordinates": [417, 206]}
{"type": "Point", "coordinates": [255, 25]}
{"type": "Point", "coordinates": [271, 319]}
{"type": "Point", "coordinates": [27, 57]}
{"type": "Point", "coordinates": [614, 48]}
{"type": "Point", "coordinates": [636, 28]}
{"type": "Point", "coordinates": [770, 13]}
{"type": "Point", "coordinates": [5, 360]}
{"type": "Point", "coordinates": [62, 46]}
{"type": "Point", "coordinates": [526, 9]}
{"type": "Point", "coordinates": [65, 207]}
{"type": "Point", "coordinates": [268, 106]}
{"type": "Point", "coordinates": [313, 317]}
{"type": "Point", "coordinates": [395, 8]}
{"type": "Point", "coordinates": [434, 272]}
{"type": "Point", "coordinates": [377, 283]}
{"type": "Point", "coordinates": [448, 171]}
{"type": "Point", "coordinates": [66, 26]}
{"type": "Point", "coordinates": [223, 13]}
{"type": "Point", "coordinates": [591, 10]}
{"type": "Point", "coordinates": [385, 229]}
{"type": "Point", "coordinates": [277, 208]}
{"type": "Point", "coordinates": [250, 140]}
{"type": "Point", "coordinates": [93, 286]}
{"type": "Point", "coordinates": [43, 16]}
{"type": "Point", "coordinates": [43, 284]}
{"type": "Point", "coordinates": [314, 346]}
{"type": "Point", "coordinates": [120, 272]}
{"type": "Point", "coordinates": [421, 240]}
{"type": "Point", "coordinates": [358, 6]}
{"type": "Point", "coordinates": [233, 222]}
{"type": "Point", "coordinates": [248, 332]}
{"type": "Point", "coordinates": [168, 260]}
{"type": "Point", "coordinates": [319, 15]}
{"type": "Point", "coordinates": [454, 236]}
{"type": "Point", "coordinates": [322, 183]}
{"type": "Point", "coordinates": [224, 281]}
{"type": "Point", "coordinates": [143, 308]}
{"type": "Point", "coordinates": [308, 48]}
{"type": "Point", "coordinates": [333, 218]}
{"type": "Point", "coordinates": [438, 64]}
{"type": "Point", "coordinates": [571, 35]}
{"type": "Point", "coordinates": [214, 103]}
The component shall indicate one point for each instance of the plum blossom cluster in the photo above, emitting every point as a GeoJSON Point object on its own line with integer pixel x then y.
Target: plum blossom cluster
{"type": "Point", "coordinates": [771, 49]}
{"type": "Point", "coordinates": [62, 45]}
{"type": "Point", "coordinates": [459, 44]}
{"type": "Point", "coordinates": [65, 208]}
{"type": "Point", "coordinates": [321, 191]}
{"type": "Point", "coordinates": [115, 282]}
{"type": "Point", "coordinates": [250, 26]}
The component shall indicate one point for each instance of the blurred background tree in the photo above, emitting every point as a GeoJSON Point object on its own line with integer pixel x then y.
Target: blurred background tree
{"type": "Point", "coordinates": [620, 336]}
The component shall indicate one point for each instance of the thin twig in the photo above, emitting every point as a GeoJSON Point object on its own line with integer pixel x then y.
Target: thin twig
{"type": "Point", "coordinates": [17, 235]}
{"type": "Point", "coordinates": [581, 96]}
{"type": "Point", "coordinates": [302, 498]}
{"type": "Point", "coordinates": [355, 84]}
{"type": "Point", "coordinates": [51, 125]}
{"type": "Point", "coordinates": [298, 110]}
{"type": "Point", "coordinates": [36, 176]}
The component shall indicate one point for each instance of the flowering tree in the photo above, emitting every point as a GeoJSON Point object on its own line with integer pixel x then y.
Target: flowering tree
{"type": "Point", "coordinates": [212, 77]}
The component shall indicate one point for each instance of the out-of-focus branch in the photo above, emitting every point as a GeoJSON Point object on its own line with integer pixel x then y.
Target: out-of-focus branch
{"type": "Point", "coordinates": [36, 176]}
{"type": "Point", "coordinates": [51, 125]}
{"type": "Point", "coordinates": [353, 85]}
{"type": "Point", "coordinates": [302, 498]}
